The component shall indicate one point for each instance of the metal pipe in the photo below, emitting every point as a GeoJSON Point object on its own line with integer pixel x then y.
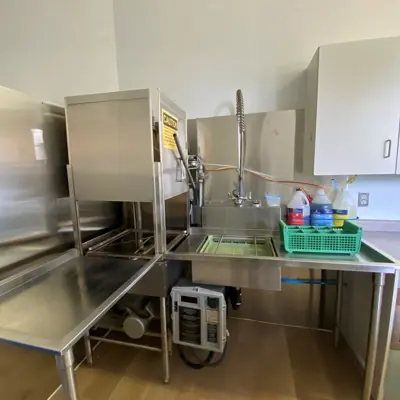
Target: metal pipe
{"type": "Point", "coordinates": [78, 225]}
{"type": "Point", "coordinates": [164, 338]}
{"type": "Point", "coordinates": [159, 217]}
{"type": "Point", "coordinates": [74, 211]}
{"type": "Point", "coordinates": [78, 365]}
{"type": "Point", "coordinates": [135, 224]}
{"type": "Point", "coordinates": [176, 240]}
{"type": "Point", "coordinates": [280, 324]}
{"type": "Point", "coordinates": [126, 344]}
{"type": "Point", "coordinates": [392, 291]}
{"type": "Point", "coordinates": [137, 251]}
{"type": "Point", "coordinates": [148, 250]}
{"type": "Point", "coordinates": [65, 368]}
{"type": "Point", "coordinates": [241, 142]}
{"type": "Point", "coordinates": [180, 151]}
{"type": "Point", "coordinates": [88, 349]}
{"type": "Point", "coordinates": [109, 240]}
{"type": "Point", "coordinates": [200, 180]}
{"type": "Point", "coordinates": [118, 255]}
{"type": "Point", "coordinates": [138, 223]}
{"type": "Point", "coordinates": [338, 312]}
{"type": "Point", "coordinates": [92, 242]}
{"type": "Point", "coordinates": [379, 282]}
{"type": "Point", "coordinates": [219, 242]}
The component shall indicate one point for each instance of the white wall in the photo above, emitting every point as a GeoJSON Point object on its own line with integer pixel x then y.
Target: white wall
{"type": "Point", "coordinates": [54, 48]}
{"type": "Point", "coordinates": [200, 52]}
{"type": "Point", "coordinates": [384, 196]}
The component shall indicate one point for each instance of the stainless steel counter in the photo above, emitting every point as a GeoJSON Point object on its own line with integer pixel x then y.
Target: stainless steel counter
{"type": "Point", "coordinates": [389, 242]}
{"type": "Point", "coordinates": [51, 307]}
{"type": "Point", "coordinates": [370, 258]}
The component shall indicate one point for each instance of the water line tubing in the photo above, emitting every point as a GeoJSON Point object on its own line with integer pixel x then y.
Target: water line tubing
{"type": "Point", "coordinates": [266, 177]}
{"type": "Point", "coordinates": [308, 282]}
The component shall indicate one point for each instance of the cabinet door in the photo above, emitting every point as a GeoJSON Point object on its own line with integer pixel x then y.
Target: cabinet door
{"type": "Point", "coordinates": [398, 156]}
{"type": "Point", "coordinates": [358, 108]}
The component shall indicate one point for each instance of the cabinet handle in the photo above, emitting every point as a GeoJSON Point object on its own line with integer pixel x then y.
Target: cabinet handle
{"type": "Point", "coordinates": [387, 148]}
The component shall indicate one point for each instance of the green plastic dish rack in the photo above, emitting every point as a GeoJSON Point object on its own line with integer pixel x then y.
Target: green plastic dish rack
{"type": "Point", "coordinates": [322, 239]}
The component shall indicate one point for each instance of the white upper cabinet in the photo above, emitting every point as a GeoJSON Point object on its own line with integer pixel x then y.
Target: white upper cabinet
{"type": "Point", "coordinates": [353, 108]}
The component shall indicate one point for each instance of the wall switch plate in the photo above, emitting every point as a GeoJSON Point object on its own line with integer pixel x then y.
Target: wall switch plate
{"type": "Point", "coordinates": [363, 199]}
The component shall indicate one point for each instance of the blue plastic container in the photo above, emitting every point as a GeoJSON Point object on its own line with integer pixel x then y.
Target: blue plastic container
{"type": "Point", "coordinates": [321, 210]}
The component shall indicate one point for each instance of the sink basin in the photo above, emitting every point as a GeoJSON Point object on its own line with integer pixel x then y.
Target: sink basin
{"type": "Point", "coordinates": [246, 272]}
{"type": "Point", "coordinates": [240, 246]}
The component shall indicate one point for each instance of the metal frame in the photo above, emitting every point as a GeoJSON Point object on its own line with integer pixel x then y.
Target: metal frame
{"type": "Point", "coordinates": [65, 368]}
{"type": "Point", "coordinates": [99, 249]}
{"type": "Point", "coordinates": [61, 344]}
{"type": "Point", "coordinates": [94, 248]}
{"type": "Point", "coordinates": [363, 263]}
{"type": "Point", "coordinates": [338, 308]}
{"type": "Point", "coordinates": [63, 351]}
{"type": "Point", "coordinates": [379, 283]}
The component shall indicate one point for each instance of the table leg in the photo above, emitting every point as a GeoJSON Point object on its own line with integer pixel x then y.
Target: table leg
{"type": "Point", "coordinates": [88, 349]}
{"type": "Point", "coordinates": [65, 367]}
{"type": "Point", "coordinates": [338, 312]}
{"type": "Point", "coordinates": [164, 338]}
{"type": "Point", "coordinates": [379, 282]}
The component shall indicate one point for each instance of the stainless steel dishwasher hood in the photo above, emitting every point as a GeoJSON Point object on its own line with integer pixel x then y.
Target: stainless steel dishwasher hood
{"type": "Point", "coordinates": [119, 156]}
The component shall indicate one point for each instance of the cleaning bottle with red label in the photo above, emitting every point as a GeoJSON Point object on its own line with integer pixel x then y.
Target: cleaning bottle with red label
{"type": "Point", "coordinates": [297, 209]}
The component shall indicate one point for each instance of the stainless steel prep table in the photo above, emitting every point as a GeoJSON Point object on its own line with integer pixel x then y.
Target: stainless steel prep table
{"type": "Point", "coordinates": [389, 242]}
{"type": "Point", "coordinates": [370, 259]}
{"type": "Point", "coordinates": [51, 307]}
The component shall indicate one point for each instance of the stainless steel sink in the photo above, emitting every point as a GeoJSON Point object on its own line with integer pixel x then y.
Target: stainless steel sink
{"type": "Point", "coordinates": [238, 246]}
{"type": "Point", "coordinates": [244, 266]}
{"type": "Point", "coordinates": [253, 259]}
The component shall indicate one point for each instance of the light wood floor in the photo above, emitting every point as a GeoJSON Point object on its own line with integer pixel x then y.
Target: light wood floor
{"type": "Point", "coordinates": [262, 362]}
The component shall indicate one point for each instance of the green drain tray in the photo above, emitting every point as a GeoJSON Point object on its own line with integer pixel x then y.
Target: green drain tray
{"type": "Point", "coordinates": [322, 239]}
{"type": "Point", "coordinates": [231, 245]}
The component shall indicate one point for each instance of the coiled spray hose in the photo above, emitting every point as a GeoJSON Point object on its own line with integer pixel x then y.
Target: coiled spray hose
{"type": "Point", "coordinates": [241, 141]}
{"type": "Point", "coordinates": [240, 110]}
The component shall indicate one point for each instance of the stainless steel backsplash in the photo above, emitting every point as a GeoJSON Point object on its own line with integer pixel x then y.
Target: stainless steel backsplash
{"type": "Point", "coordinates": [34, 195]}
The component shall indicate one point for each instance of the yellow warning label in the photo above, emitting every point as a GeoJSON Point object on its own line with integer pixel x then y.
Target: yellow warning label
{"type": "Point", "coordinates": [170, 127]}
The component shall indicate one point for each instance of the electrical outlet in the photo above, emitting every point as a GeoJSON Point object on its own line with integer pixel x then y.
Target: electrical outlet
{"type": "Point", "coordinates": [363, 199]}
